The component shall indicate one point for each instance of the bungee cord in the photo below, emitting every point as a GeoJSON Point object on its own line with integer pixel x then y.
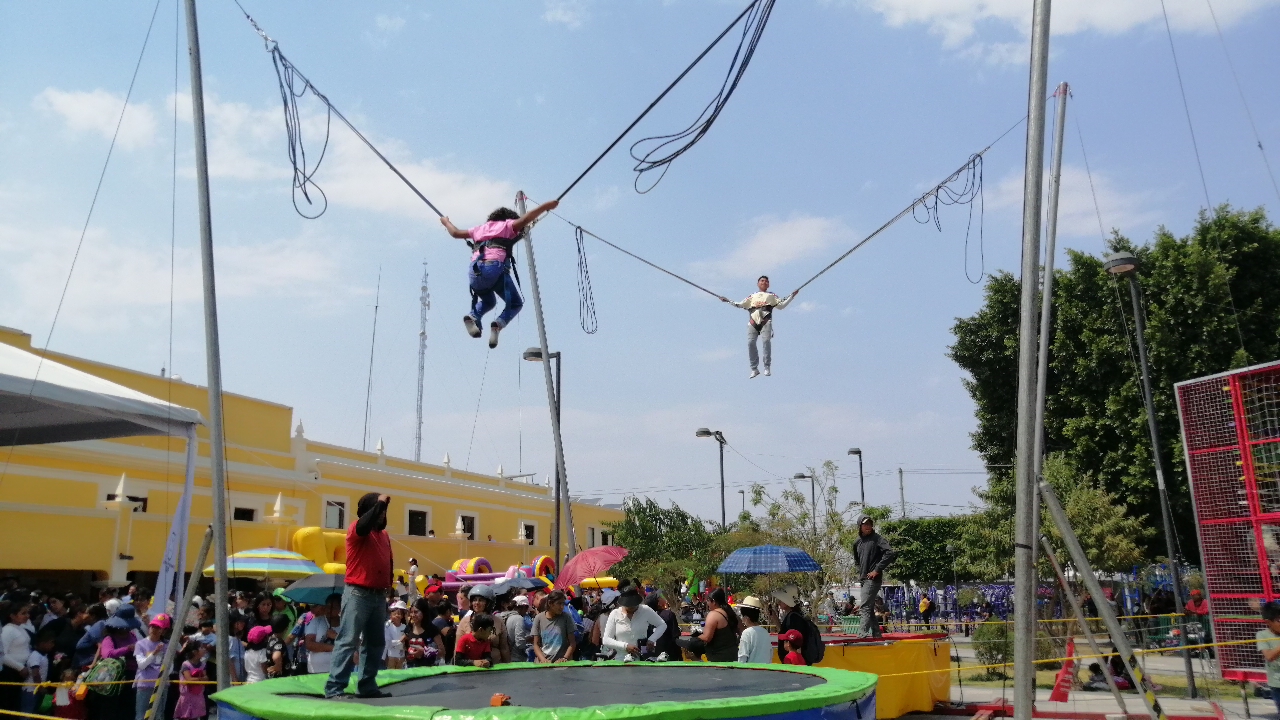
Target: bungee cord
{"type": "Point", "coordinates": [753, 28]}
{"type": "Point", "coordinates": [659, 156]}
{"type": "Point", "coordinates": [586, 299]}
{"type": "Point", "coordinates": [293, 86]}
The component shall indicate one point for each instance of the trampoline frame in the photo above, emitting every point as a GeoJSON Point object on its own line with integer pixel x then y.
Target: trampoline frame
{"type": "Point", "coordinates": [268, 700]}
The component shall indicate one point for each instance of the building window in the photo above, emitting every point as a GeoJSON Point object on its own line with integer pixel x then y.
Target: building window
{"type": "Point", "coordinates": [244, 514]}
{"type": "Point", "coordinates": [418, 522]}
{"type": "Point", "coordinates": [606, 538]}
{"type": "Point", "coordinates": [335, 514]}
{"type": "Point", "coordinates": [530, 532]}
{"type": "Point", "coordinates": [591, 537]}
{"type": "Point", "coordinates": [141, 501]}
{"type": "Point", "coordinates": [469, 526]}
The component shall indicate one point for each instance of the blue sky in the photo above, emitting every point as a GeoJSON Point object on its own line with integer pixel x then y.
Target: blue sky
{"type": "Point", "coordinates": [848, 112]}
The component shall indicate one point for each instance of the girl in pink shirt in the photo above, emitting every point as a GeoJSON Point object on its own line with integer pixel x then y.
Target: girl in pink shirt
{"type": "Point", "coordinates": [489, 273]}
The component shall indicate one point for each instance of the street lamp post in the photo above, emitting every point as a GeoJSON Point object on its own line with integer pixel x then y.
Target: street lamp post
{"type": "Point", "coordinates": [862, 488]}
{"type": "Point", "coordinates": [743, 493]}
{"type": "Point", "coordinates": [534, 354]}
{"type": "Point", "coordinates": [719, 436]}
{"type": "Point", "coordinates": [1125, 265]}
{"type": "Point", "coordinates": [813, 498]}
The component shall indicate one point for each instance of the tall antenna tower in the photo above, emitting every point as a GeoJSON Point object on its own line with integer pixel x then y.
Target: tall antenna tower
{"type": "Point", "coordinates": [422, 360]}
{"type": "Point", "coordinates": [368, 390]}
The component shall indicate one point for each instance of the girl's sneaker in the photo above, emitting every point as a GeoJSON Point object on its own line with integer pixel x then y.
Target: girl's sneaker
{"type": "Point", "coordinates": [494, 329]}
{"type": "Point", "coordinates": [473, 328]}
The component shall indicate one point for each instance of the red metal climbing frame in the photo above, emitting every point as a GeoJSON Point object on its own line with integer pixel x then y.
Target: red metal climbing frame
{"type": "Point", "coordinates": [1231, 440]}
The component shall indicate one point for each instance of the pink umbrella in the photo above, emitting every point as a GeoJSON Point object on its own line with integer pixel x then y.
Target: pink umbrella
{"type": "Point", "coordinates": [589, 564]}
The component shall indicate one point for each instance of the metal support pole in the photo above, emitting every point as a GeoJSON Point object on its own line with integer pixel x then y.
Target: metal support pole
{"type": "Point", "coordinates": [1024, 600]}
{"type": "Point", "coordinates": [862, 485]}
{"type": "Point", "coordinates": [1140, 329]}
{"type": "Point", "coordinates": [213, 355]}
{"type": "Point", "coordinates": [175, 639]}
{"type": "Point", "coordinates": [723, 522]}
{"type": "Point", "coordinates": [1046, 299]}
{"type": "Point", "coordinates": [559, 487]}
{"type": "Point", "coordinates": [1118, 638]}
{"type": "Point", "coordinates": [563, 477]}
{"type": "Point", "coordinates": [902, 493]}
{"type": "Point", "coordinates": [813, 498]}
{"type": "Point", "coordinates": [1084, 624]}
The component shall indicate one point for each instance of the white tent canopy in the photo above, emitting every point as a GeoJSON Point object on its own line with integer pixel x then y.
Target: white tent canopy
{"type": "Point", "coordinates": [47, 402]}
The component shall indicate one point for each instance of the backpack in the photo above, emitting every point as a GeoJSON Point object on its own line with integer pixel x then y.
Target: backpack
{"type": "Point", "coordinates": [814, 649]}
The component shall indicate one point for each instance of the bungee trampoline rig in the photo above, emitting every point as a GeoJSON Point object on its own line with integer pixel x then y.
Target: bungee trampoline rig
{"type": "Point", "coordinates": [572, 691]}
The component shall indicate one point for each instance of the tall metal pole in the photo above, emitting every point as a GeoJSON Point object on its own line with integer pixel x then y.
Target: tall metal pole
{"type": "Point", "coordinates": [1046, 300]}
{"type": "Point", "coordinates": [862, 485]}
{"type": "Point", "coordinates": [373, 340]}
{"type": "Point", "coordinates": [1140, 329]}
{"type": "Point", "coordinates": [559, 490]}
{"type": "Point", "coordinates": [554, 406]}
{"type": "Point", "coordinates": [813, 498]}
{"type": "Point", "coordinates": [902, 493]}
{"type": "Point", "coordinates": [1084, 624]}
{"type": "Point", "coordinates": [422, 360]}
{"type": "Point", "coordinates": [1118, 638]}
{"type": "Point", "coordinates": [1024, 603]}
{"type": "Point", "coordinates": [213, 354]}
{"type": "Point", "coordinates": [722, 512]}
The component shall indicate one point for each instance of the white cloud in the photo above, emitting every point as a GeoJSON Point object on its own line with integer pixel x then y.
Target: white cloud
{"type": "Point", "coordinates": [570, 13]}
{"type": "Point", "coordinates": [716, 355]}
{"type": "Point", "coordinates": [959, 21]}
{"type": "Point", "coordinates": [388, 24]}
{"type": "Point", "coordinates": [774, 243]}
{"type": "Point", "coordinates": [1077, 216]}
{"type": "Point", "coordinates": [385, 28]}
{"type": "Point", "coordinates": [97, 112]}
{"type": "Point", "coordinates": [118, 281]}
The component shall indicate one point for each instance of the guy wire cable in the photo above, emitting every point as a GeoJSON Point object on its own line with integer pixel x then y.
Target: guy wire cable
{"type": "Point", "coordinates": [287, 75]}
{"type": "Point", "coordinates": [586, 299]}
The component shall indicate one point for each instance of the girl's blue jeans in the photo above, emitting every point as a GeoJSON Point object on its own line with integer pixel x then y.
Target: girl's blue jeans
{"type": "Point", "coordinates": [488, 279]}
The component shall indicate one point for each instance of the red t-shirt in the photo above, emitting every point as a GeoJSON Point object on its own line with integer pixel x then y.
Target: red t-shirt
{"type": "Point", "coordinates": [472, 649]}
{"type": "Point", "coordinates": [369, 559]}
{"type": "Point", "coordinates": [793, 658]}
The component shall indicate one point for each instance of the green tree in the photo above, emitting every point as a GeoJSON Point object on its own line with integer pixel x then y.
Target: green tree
{"type": "Point", "coordinates": [921, 544]}
{"type": "Point", "coordinates": [666, 544]}
{"type": "Point", "coordinates": [1212, 303]}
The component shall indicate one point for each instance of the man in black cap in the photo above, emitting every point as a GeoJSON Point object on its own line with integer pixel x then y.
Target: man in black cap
{"type": "Point", "coordinates": [872, 554]}
{"type": "Point", "coordinates": [364, 600]}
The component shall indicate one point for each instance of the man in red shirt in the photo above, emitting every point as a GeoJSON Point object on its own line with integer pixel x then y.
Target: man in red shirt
{"type": "Point", "coordinates": [364, 600]}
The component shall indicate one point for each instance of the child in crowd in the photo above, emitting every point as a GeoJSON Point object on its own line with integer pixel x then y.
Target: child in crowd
{"type": "Point", "coordinates": [444, 623]}
{"type": "Point", "coordinates": [65, 703]}
{"type": "Point", "coordinates": [490, 267]}
{"type": "Point", "coordinates": [149, 654]}
{"type": "Point", "coordinates": [394, 635]}
{"type": "Point", "coordinates": [1097, 680]}
{"type": "Point", "coordinates": [792, 641]}
{"type": "Point", "coordinates": [256, 659]}
{"type": "Point", "coordinates": [473, 648]}
{"type": "Point", "coordinates": [753, 643]}
{"type": "Point", "coordinates": [37, 671]}
{"type": "Point", "coordinates": [191, 705]}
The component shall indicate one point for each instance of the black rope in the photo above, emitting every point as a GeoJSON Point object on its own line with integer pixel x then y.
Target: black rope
{"type": "Point", "coordinates": [663, 94]}
{"type": "Point", "coordinates": [293, 86]}
{"type": "Point", "coordinates": [662, 155]}
{"type": "Point", "coordinates": [586, 299]}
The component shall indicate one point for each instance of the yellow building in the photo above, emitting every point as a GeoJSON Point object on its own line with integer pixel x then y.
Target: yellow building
{"type": "Point", "coordinates": [60, 528]}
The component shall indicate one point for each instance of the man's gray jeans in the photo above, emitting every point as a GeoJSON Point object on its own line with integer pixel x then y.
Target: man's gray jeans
{"type": "Point", "coordinates": [364, 617]}
{"type": "Point", "coordinates": [766, 334]}
{"type": "Point", "coordinates": [869, 627]}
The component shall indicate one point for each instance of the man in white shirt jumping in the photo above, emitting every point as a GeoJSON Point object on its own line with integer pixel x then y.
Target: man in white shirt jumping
{"type": "Point", "coordinates": [760, 323]}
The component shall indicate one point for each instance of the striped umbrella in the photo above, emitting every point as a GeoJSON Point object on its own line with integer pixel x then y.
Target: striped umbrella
{"type": "Point", "coordinates": [768, 559]}
{"type": "Point", "coordinates": [264, 563]}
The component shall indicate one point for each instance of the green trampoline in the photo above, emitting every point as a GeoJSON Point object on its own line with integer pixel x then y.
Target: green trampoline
{"type": "Point", "coordinates": [572, 691]}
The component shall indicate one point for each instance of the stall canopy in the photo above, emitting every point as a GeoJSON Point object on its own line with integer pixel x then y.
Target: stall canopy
{"type": "Point", "coordinates": [47, 402]}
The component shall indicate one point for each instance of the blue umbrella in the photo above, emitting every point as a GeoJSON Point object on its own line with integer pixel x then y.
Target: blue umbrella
{"type": "Point", "coordinates": [316, 589]}
{"type": "Point", "coordinates": [768, 559]}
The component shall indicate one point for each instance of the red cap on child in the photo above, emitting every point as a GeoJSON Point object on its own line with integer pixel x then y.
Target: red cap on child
{"type": "Point", "coordinates": [790, 636]}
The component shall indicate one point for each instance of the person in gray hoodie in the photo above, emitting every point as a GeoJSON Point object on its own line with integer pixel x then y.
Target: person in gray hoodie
{"type": "Point", "coordinates": [873, 555]}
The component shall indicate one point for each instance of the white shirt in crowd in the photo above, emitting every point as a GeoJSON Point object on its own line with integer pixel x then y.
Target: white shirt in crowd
{"type": "Point", "coordinates": [254, 660]}
{"type": "Point", "coordinates": [37, 662]}
{"type": "Point", "coordinates": [15, 647]}
{"type": "Point", "coordinates": [394, 635]}
{"type": "Point", "coordinates": [621, 631]}
{"type": "Point", "coordinates": [755, 646]}
{"type": "Point", "coordinates": [319, 662]}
